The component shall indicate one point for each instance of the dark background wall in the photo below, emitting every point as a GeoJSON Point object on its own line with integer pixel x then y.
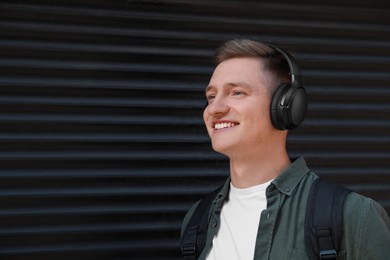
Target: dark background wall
{"type": "Point", "coordinates": [102, 144]}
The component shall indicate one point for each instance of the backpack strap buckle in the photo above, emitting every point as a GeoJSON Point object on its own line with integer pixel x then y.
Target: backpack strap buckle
{"type": "Point", "coordinates": [328, 254]}
{"type": "Point", "coordinates": [188, 250]}
{"type": "Point", "coordinates": [327, 248]}
{"type": "Point", "coordinates": [188, 246]}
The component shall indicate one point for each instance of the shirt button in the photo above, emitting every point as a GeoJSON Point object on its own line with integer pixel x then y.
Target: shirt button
{"type": "Point", "coordinates": [213, 224]}
{"type": "Point", "coordinates": [287, 190]}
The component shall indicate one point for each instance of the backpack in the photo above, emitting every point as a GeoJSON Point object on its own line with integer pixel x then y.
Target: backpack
{"type": "Point", "coordinates": [323, 222]}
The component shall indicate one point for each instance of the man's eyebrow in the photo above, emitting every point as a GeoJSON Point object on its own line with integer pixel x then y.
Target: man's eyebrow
{"type": "Point", "coordinates": [238, 84]}
{"type": "Point", "coordinates": [229, 85]}
{"type": "Point", "coordinates": [210, 87]}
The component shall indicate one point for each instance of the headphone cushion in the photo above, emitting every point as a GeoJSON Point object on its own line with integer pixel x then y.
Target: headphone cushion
{"type": "Point", "coordinates": [298, 107]}
{"type": "Point", "coordinates": [276, 112]}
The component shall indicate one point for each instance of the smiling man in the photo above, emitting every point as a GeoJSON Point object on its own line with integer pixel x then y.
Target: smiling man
{"type": "Point", "coordinates": [254, 96]}
{"type": "Point", "coordinates": [238, 121]}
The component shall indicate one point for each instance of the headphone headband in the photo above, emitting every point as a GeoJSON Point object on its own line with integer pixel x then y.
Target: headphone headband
{"type": "Point", "coordinates": [295, 72]}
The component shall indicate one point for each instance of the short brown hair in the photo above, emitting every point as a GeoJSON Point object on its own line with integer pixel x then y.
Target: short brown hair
{"type": "Point", "coordinates": [273, 61]}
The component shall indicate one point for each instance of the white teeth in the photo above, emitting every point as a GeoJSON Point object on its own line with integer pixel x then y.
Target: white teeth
{"type": "Point", "coordinates": [223, 125]}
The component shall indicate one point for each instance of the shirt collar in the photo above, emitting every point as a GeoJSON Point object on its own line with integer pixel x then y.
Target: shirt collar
{"type": "Point", "coordinates": [289, 179]}
{"type": "Point", "coordinates": [286, 182]}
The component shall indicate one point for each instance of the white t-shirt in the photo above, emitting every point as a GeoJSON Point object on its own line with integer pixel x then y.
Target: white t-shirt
{"type": "Point", "coordinates": [240, 217]}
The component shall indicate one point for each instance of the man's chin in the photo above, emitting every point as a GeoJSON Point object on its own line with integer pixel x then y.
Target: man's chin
{"type": "Point", "coordinates": [223, 149]}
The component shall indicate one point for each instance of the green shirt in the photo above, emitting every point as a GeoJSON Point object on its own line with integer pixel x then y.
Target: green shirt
{"type": "Point", "coordinates": [280, 236]}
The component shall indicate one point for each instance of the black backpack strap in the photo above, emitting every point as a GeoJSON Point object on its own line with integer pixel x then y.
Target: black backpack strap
{"type": "Point", "coordinates": [194, 236]}
{"type": "Point", "coordinates": [324, 219]}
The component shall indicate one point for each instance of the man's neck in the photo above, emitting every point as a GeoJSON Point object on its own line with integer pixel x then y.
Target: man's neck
{"type": "Point", "coordinates": [254, 170]}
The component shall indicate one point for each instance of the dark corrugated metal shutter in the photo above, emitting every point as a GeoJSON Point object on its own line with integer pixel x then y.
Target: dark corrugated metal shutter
{"type": "Point", "coordinates": [102, 142]}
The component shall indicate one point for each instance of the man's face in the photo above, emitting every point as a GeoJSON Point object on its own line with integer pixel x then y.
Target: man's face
{"type": "Point", "coordinates": [237, 117]}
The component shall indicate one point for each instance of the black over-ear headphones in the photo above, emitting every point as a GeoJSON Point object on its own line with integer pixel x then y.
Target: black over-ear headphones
{"type": "Point", "coordinates": [289, 102]}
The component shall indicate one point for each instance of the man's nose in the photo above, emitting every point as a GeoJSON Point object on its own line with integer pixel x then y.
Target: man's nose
{"type": "Point", "coordinates": [217, 107]}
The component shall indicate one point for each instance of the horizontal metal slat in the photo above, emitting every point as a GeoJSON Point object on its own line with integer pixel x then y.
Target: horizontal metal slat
{"type": "Point", "coordinates": [54, 83]}
{"type": "Point", "coordinates": [129, 190]}
{"type": "Point", "coordinates": [101, 102]}
{"type": "Point", "coordinates": [95, 66]}
{"type": "Point", "coordinates": [105, 138]}
{"type": "Point", "coordinates": [87, 210]}
{"type": "Point", "coordinates": [97, 228]}
{"type": "Point", "coordinates": [205, 171]}
{"type": "Point", "coordinates": [102, 119]}
{"type": "Point", "coordinates": [63, 48]}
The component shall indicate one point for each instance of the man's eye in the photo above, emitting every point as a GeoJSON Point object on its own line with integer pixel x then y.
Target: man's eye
{"type": "Point", "coordinates": [210, 97]}
{"type": "Point", "coordinates": [238, 93]}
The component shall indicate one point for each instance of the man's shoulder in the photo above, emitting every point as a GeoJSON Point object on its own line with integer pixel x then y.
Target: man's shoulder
{"type": "Point", "coordinates": [357, 205]}
{"type": "Point", "coordinates": [366, 228]}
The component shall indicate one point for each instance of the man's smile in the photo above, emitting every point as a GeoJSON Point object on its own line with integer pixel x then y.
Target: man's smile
{"type": "Point", "coordinates": [224, 125]}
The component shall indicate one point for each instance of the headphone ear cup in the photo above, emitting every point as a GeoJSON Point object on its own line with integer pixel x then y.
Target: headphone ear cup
{"type": "Point", "coordinates": [277, 117]}
{"type": "Point", "coordinates": [297, 108]}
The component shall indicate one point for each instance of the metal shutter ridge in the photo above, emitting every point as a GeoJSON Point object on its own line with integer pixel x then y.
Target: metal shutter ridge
{"type": "Point", "coordinates": [102, 143]}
